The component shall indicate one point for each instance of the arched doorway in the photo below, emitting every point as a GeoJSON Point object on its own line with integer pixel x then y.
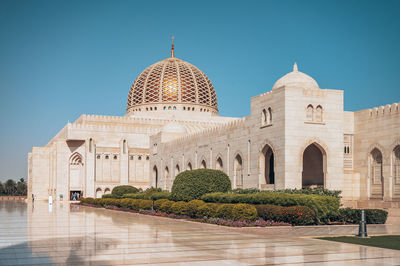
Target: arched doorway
{"type": "Point", "coordinates": [396, 172]}
{"type": "Point", "coordinates": [219, 165]}
{"type": "Point", "coordinates": [314, 165]}
{"type": "Point", "coordinates": [99, 193]}
{"type": "Point", "coordinates": [203, 164]}
{"type": "Point", "coordinates": [166, 177]}
{"type": "Point", "coordinates": [76, 176]}
{"type": "Point", "coordinates": [376, 174]}
{"type": "Point", "coordinates": [238, 171]}
{"type": "Point", "coordinates": [107, 191]}
{"type": "Point", "coordinates": [267, 166]}
{"type": "Point", "coordinates": [155, 176]}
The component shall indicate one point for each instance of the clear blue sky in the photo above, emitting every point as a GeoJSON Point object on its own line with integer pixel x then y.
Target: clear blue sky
{"type": "Point", "coordinates": [61, 59]}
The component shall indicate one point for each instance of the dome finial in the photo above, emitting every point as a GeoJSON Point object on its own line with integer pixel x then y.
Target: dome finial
{"type": "Point", "coordinates": [172, 48]}
{"type": "Point", "coordinates": [295, 67]}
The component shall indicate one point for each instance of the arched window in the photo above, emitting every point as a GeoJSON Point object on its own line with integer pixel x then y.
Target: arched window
{"type": "Point", "coordinates": [90, 145]}
{"type": "Point", "coordinates": [396, 165]}
{"type": "Point", "coordinates": [219, 165]}
{"type": "Point", "coordinates": [318, 113]}
{"type": "Point", "coordinates": [155, 176]}
{"type": "Point", "coordinates": [124, 146]}
{"type": "Point", "coordinates": [264, 117]}
{"type": "Point", "coordinates": [177, 169]}
{"type": "Point", "coordinates": [203, 164]}
{"type": "Point", "coordinates": [310, 113]}
{"type": "Point", "coordinates": [238, 171]}
{"type": "Point", "coordinates": [107, 191]}
{"type": "Point", "coordinates": [269, 116]}
{"type": "Point", "coordinates": [166, 177]}
{"type": "Point", "coordinates": [189, 166]}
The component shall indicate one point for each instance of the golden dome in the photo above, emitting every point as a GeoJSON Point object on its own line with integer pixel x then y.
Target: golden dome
{"type": "Point", "coordinates": [172, 83]}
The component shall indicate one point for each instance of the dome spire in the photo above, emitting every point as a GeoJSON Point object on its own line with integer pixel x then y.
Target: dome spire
{"type": "Point", "coordinates": [172, 47]}
{"type": "Point", "coordinates": [295, 67]}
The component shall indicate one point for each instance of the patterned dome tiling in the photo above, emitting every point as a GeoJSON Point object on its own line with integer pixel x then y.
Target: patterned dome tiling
{"type": "Point", "coordinates": [172, 81]}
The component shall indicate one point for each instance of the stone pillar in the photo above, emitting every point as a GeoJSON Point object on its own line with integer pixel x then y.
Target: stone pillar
{"type": "Point", "coordinates": [124, 162]}
{"type": "Point", "coordinates": [90, 166]}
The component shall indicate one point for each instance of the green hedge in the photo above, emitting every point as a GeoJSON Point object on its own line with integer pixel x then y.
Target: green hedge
{"type": "Point", "coordinates": [190, 185]}
{"type": "Point", "coordinates": [372, 216]}
{"type": "Point", "coordinates": [295, 215]}
{"type": "Point", "coordinates": [157, 204]}
{"type": "Point", "coordinates": [160, 195]}
{"type": "Point", "coordinates": [323, 206]}
{"type": "Point", "coordinates": [119, 191]}
{"type": "Point", "coordinates": [134, 196]}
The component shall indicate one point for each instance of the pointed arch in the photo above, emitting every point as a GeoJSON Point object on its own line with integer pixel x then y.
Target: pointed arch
{"type": "Point", "coordinates": [310, 112]}
{"type": "Point", "coordinates": [155, 176]}
{"type": "Point", "coordinates": [376, 173]}
{"type": "Point", "coordinates": [238, 169]}
{"type": "Point", "coordinates": [189, 166]}
{"type": "Point", "coordinates": [219, 163]}
{"type": "Point", "coordinates": [267, 165]}
{"type": "Point", "coordinates": [75, 159]}
{"type": "Point", "coordinates": [203, 163]}
{"type": "Point", "coordinates": [314, 164]}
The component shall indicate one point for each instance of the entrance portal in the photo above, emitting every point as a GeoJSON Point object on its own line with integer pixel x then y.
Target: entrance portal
{"type": "Point", "coordinates": [313, 166]}
{"type": "Point", "coordinates": [75, 194]}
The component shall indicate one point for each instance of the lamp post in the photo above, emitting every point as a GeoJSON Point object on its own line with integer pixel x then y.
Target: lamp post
{"type": "Point", "coordinates": [362, 228]}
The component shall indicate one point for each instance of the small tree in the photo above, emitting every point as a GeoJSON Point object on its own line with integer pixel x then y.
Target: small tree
{"type": "Point", "coordinates": [193, 184]}
{"type": "Point", "coordinates": [10, 187]}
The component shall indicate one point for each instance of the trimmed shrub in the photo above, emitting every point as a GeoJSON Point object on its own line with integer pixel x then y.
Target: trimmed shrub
{"type": "Point", "coordinates": [373, 216]}
{"type": "Point", "coordinates": [126, 203]}
{"type": "Point", "coordinates": [313, 191]}
{"type": "Point", "coordinates": [270, 212]}
{"type": "Point", "coordinates": [150, 191]}
{"type": "Point", "coordinates": [136, 204]}
{"type": "Point", "coordinates": [245, 190]}
{"type": "Point", "coordinates": [160, 195]}
{"type": "Point", "coordinates": [298, 215]}
{"type": "Point", "coordinates": [97, 202]}
{"type": "Point", "coordinates": [133, 196]}
{"type": "Point", "coordinates": [145, 204]}
{"type": "Point", "coordinates": [295, 215]}
{"type": "Point", "coordinates": [190, 185]}
{"type": "Point", "coordinates": [179, 208]}
{"type": "Point", "coordinates": [208, 210]}
{"type": "Point", "coordinates": [87, 200]}
{"type": "Point", "coordinates": [224, 211]}
{"type": "Point", "coordinates": [157, 203]}
{"type": "Point", "coordinates": [244, 212]}
{"type": "Point", "coordinates": [166, 206]}
{"type": "Point", "coordinates": [323, 206]}
{"type": "Point", "coordinates": [193, 207]}
{"type": "Point", "coordinates": [109, 196]}
{"type": "Point", "coordinates": [119, 191]}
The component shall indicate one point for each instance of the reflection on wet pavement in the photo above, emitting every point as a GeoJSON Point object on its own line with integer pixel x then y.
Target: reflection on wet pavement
{"type": "Point", "coordinates": [77, 235]}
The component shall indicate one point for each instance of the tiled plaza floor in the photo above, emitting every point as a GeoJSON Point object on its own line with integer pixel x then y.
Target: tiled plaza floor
{"type": "Point", "coordinates": [78, 235]}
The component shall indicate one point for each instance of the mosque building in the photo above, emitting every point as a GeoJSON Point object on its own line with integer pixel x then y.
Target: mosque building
{"type": "Point", "coordinates": [297, 135]}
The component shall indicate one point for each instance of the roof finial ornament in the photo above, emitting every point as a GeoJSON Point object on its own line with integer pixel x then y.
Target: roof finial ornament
{"type": "Point", "coordinates": [295, 67]}
{"type": "Point", "coordinates": [172, 48]}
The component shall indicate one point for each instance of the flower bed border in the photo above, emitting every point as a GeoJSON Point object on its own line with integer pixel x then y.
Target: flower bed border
{"type": "Point", "coordinates": [216, 221]}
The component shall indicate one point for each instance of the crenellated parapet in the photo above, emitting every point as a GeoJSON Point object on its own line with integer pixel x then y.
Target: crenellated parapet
{"type": "Point", "coordinates": [379, 112]}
